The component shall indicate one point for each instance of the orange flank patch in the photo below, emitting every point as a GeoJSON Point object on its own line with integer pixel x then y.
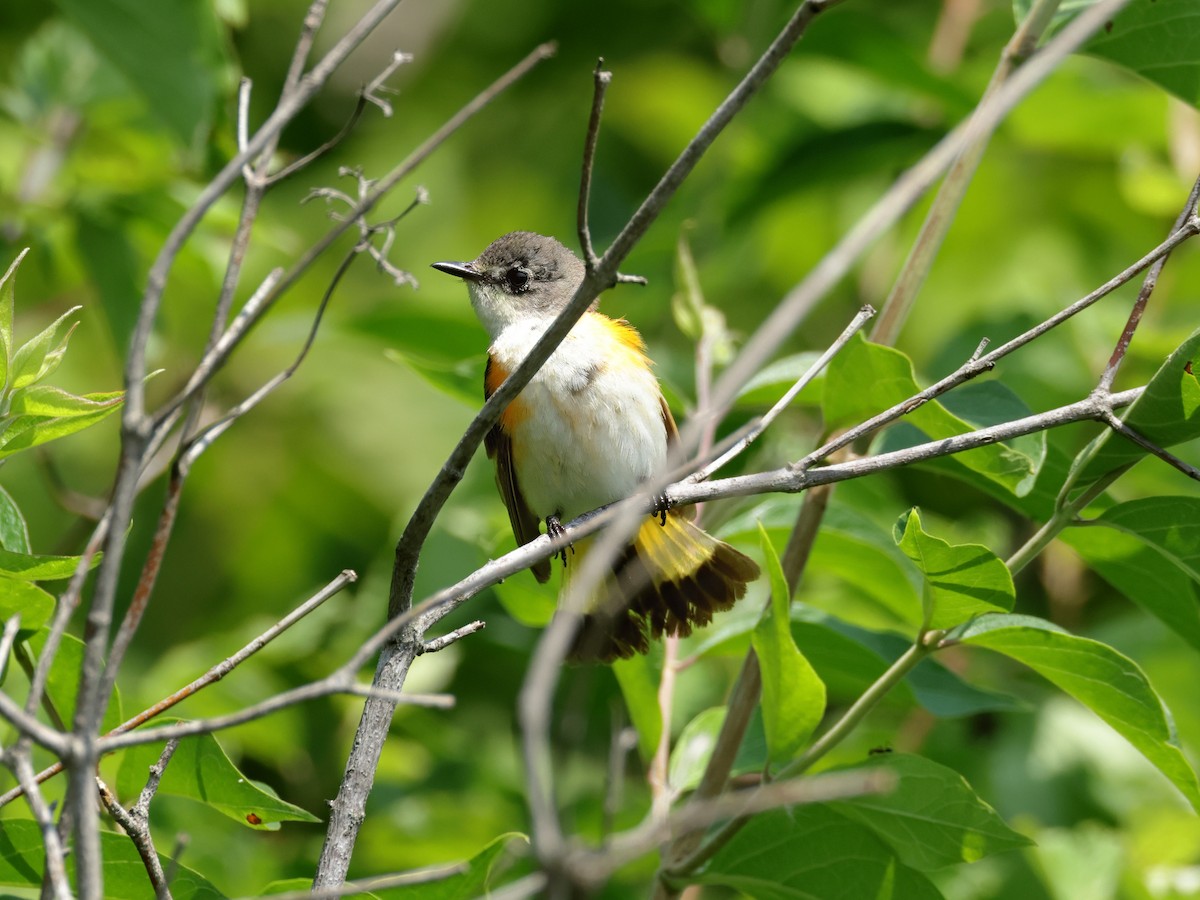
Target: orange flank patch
{"type": "Point", "coordinates": [517, 411]}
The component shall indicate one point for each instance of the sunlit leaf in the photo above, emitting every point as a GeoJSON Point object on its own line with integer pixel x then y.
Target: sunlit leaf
{"type": "Point", "coordinates": [932, 818]}
{"type": "Point", "coordinates": [30, 431]}
{"type": "Point", "coordinates": [7, 307]}
{"type": "Point", "coordinates": [44, 400]}
{"type": "Point", "coordinates": [14, 534]}
{"type": "Point", "coordinates": [980, 404]}
{"type": "Point", "coordinates": [40, 356]}
{"type": "Point", "coordinates": [32, 567]}
{"type": "Point", "coordinates": [201, 771]}
{"type": "Point", "coordinates": [866, 379]}
{"type": "Point", "coordinates": [960, 580]}
{"type": "Point", "coordinates": [1108, 683]}
{"type": "Point", "coordinates": [793, 696]}
{"type": "Point", "coordinates": [34, 605]}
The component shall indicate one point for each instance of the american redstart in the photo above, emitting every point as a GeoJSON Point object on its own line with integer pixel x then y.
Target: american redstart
{"type": "Point", "coordinates": [588, 430]}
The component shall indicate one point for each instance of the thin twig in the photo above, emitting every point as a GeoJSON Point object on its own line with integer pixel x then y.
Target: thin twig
{"type": "Point", "coordinates": [313, 155]}
{"type": "Point", "coordinates": [958, 178]}
{"type": "Point", "coordinates": [441, 643]}
{"type": "Point", "coordinates": [374, 883]}
{"type": "Point", "coordinates": [55, 872]}
{"type": "Point", "coordinates": [773, 413]}
{"type": "Point", "coordinates": [1149, 446]}
{"type": "Point", "coordinates": [1139, 307]}
{"type": "Point", "coordinates": [214, 674]}
{"type": "Point", "coordinates": [600, 82]}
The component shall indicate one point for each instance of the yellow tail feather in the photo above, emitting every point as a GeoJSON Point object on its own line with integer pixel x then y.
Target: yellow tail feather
{"type": "Point", "coordinates": [674, 577]}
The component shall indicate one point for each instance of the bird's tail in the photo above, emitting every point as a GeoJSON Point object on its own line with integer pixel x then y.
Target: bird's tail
{"type": "Point", "coordinates": [671, 579]}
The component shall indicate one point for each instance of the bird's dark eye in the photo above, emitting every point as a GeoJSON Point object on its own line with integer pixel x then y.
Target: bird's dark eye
{"type": "Point", "coordinates": [517, 278]}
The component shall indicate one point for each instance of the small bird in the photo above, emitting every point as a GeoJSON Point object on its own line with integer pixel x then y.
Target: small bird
{"type": "Point", "coordinates": [589, 429]}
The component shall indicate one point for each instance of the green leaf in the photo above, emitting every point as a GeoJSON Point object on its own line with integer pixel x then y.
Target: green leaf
{"type": "Point", "coordinates": [477, 880]}
{"type": "Point", "coordinates": [1108, 683]}
{"type": "Point", "coordinates": [774, 379]}
{"type": "Point", "coordinates": [7, 308]}
{"type": "Point", "coordinates": [1160, 41]}
{"type": "Point", "coordinates": [31, 567]}
{"type": "Point", "coordinates": [813, 853]}
{"type": "Point", "coordinates": [29, 431]}
{"type": "Point", "coordinates": [932, 818]}
{"type": "Point", "coordinates": [62, 686]}
{"type": "Point", "coordinates": [930, 684]}
{"type": "Point", "coordinates": [860, 554]}
{"type": "Point", "coordinates": [694, 748]}
{"type": "Point", "coordinates": [1149, 550]}
{"type": "Point", "coordinates": [960, 580]}
{"type": "Point", "coordinates": [980, 404]}
{"type": "Point", "coordinates": [446, 350]}
{"type": "Point", "coordinates": [40, 356]}
{"type": "Point", "coordinates": [14, 534]}
{"type": "Point", "coordinates": [638, 679]}
{"type": "Point", "coordinates": [34, 604]}
{"type": "Point", "coordinates": [866, 379]}
{"type": "Point", "coordinates": [172, 54]}
{"type": "Point", "coordinates": [22, 859]}
{"type": "Point", "coordinates": [50, 401]}
{"type": "Point", "coordinates": [1167, 413]}
{"type": "Point", "coordinates": [693, 315]}
{"type": "Point", "coordinates": [793, 696]}
{"type": "Point", "coordinates": [200, 770]}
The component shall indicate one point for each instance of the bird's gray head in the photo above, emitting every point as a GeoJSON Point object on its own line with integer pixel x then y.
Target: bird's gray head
{"type": "Point", "coordinates": [519, 275]}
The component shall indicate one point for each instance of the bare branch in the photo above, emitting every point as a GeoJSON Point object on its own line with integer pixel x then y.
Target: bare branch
{"type": "Point", "coordinates": [1149, 446]}
{"type": "Point", "coordinates": [136, 821]}
{"type": "Point", "coordinates": [302, 90]}
{"type": "Point", "coordinates": [55, 874]}
{"type": "Point", "coordinates": [773, 413]}
{"type": "Point", "coordinates": [216, 673]}
{"type": "Point", "coordinates": [600, 80]}
{"type": "Point", "coordinates": [1148, 284]}
{"type": "Point", "coordinates": [372, 91]}
{"type": "Point", "coordinates": [441, 643]}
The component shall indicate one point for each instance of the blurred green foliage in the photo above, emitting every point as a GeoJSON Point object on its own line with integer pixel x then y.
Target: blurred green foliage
{"type": "Point", "coordinates": [101, 150]}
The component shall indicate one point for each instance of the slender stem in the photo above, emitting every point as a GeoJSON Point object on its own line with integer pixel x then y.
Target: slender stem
{"type": "Point", "coordinates": [600, 80]}
{"type": "Point", "coordinates": [830, 739]}
{"type": "Point", "coordinates": [958, 178]}
{"type": "Point", "coordinates": [1139, 307]}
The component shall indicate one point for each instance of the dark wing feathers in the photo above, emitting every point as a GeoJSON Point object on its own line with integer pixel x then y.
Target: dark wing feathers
{"type": "Point", "coordinates": [525, 524]}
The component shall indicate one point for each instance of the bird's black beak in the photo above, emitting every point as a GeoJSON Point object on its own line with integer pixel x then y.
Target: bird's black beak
{"type": "Point", "coordinates": [463, 270]}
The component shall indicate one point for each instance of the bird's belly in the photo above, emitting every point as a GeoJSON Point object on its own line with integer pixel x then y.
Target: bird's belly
{"type": "Point", "coordinates": [590, 434]}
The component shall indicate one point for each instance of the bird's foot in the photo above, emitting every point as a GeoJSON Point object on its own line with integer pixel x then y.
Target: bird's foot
{"type": "Point", "coordinates": [554, 531]}
{"type": "Point", "coordinates": [662, 505]}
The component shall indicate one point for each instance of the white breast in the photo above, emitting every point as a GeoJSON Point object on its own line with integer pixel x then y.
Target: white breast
{"type": "Point", "coordinates": [593, 429]}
